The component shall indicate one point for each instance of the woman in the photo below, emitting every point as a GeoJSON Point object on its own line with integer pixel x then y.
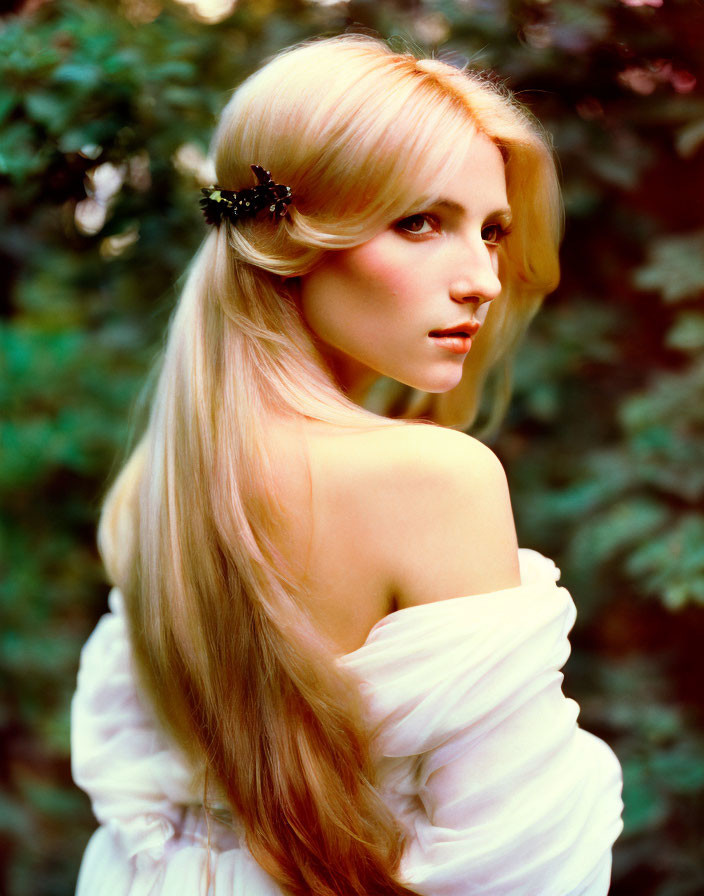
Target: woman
{"type": "Point", "coordinates": [287, 562]}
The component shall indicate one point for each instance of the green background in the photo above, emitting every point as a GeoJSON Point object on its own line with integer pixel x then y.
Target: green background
{"type": "Point", "coordinates": [106, 111]}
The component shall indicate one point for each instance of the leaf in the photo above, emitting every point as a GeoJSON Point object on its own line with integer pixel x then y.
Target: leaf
{"type": "Point", "coordinates": [19, 156]}
{"type": "Point", "coordinates": [85, 76]}
{"type": "Point", "coordinates": [628, 522]}
{"type": "Point", "coordinates": [14, 818]}
{"type": "Point", "coordinates": [645, 807]}
{"type": "Point", "coordinates": [689, 138]}
{"type": "Point", "coordinates": [606, 474]}
{"type": "Point", "coordinates": [51, 109]}
{"type": "Point", "coordinates": [671, 566]}
{"type": "Point", "coordinates": [680, 769]}
{"type": "Point", "coordinates": [173, 70]}
{"type": "Point", "coordinates": [621, 172]}
{"type": "Point", "coordinates": [89, 133]}
{"type": "Point", "coordinates": [671, 400]}
{"type": "Point", "coordinates": [675, 267]}
{"type": "Point", "coordinates": [8, 100]}
{"type": "Point", "coordinates": [687, 332]}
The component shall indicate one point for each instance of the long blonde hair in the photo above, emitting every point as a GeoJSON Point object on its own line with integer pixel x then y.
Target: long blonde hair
{"type": "Point", "coordinates": [224, 649]}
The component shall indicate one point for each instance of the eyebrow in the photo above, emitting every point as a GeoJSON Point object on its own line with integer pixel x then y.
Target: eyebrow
{"type": "Point", "coordinates": [504, 214]}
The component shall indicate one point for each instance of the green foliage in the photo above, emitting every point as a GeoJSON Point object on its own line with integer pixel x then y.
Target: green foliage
{"type": "Point", "coordinates": [662, 755]}
{"type": "Point", "coordinates": [675, 267]}
{"type": "Point", "coordinates": [106, 112]}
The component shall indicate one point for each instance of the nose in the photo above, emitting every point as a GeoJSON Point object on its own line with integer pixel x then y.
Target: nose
{"type": "Point", "coordinates": [478, 279]}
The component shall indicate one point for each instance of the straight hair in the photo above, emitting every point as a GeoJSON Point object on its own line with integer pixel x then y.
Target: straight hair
{"type": "Point", "coordinates": [224, 648]}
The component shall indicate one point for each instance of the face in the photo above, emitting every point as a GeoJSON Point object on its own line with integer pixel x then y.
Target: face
{"type": "Point", "coordinates": [375, 308]}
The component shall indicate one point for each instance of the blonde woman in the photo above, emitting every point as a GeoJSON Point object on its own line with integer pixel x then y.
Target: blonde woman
{"type": "Point", "coordinates": [328, 668]}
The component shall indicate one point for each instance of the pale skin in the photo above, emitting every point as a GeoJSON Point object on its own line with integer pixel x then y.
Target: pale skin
{"type": "Point", "coordinates": [396, 517]}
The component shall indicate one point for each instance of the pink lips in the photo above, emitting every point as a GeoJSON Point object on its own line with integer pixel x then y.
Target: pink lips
{"type": "Point", "coordinates": [460, 345]}
{"type": "Point", "coordinates": [456, 339]}
{"type": "Point", "coordinates": [469, 328]}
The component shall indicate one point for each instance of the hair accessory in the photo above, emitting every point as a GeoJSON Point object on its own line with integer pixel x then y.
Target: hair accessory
{"type": "Point", "coordinates": [218, 203]}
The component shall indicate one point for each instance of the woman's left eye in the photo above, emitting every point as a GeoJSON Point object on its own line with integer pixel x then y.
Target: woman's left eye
{"type": "Point", "coordinates": [496, 233]}
{"type": "Point", "coordinates": [418, 225]}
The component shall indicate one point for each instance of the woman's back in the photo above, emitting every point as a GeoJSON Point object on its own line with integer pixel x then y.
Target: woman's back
{"type": "Point", "coordinates": [388, 518]}
{"type": "Point", "coordinates": [479, 757]}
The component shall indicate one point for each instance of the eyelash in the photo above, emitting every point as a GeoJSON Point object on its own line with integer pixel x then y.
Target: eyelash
{"type": "Point", "coordinates": [502, 232]}
{"type": "Point", "coordinates": [431, 219]}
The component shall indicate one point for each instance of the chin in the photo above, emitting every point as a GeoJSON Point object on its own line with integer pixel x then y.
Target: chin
{"type": "Point", "coordinates": [439, 390]}
{"type": "Point", "coordinates": [434, 385]}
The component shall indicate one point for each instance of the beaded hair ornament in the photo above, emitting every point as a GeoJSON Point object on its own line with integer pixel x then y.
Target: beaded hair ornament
{"type": "Point", "coordinates": [236, 205]}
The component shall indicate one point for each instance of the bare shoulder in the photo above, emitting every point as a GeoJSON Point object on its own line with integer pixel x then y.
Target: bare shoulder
{"type": "Point", "coordinates": [438, 507]}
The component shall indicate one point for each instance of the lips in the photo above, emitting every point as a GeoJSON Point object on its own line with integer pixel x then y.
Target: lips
{"type": "Point", "coordinates": [466, 329]}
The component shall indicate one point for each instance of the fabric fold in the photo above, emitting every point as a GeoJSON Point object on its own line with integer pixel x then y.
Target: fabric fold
{"type": "Point", "coordinates": [513, 797]}
{"type": "Point", "coordinates": [480, 757]}
{"type": "Point", "coordinates": [137, 781]}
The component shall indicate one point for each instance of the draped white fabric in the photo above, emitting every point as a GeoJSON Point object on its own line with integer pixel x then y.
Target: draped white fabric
{"type": "Point", "coordinates": [482, 759]}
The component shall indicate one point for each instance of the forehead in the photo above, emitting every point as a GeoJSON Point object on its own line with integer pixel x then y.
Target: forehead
{"type": "Point", "coordinates": [477, 182]}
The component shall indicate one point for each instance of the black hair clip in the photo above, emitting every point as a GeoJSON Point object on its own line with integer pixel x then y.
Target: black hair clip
{"type": "Point", "coordinates": [218, 203]}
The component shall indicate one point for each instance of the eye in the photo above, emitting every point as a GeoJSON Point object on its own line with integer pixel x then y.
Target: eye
{"type": "Point", "coordinates": [493, 234]}
{"type": "Point", "coordinates": [418, 225]}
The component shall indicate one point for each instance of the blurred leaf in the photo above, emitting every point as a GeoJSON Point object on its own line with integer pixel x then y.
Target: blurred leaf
{"type": "Point", "coordinates": [8, 100]}
{"type": "Point", "coordinates": [630, 521]}
{"type": "Point", "coordinates": [13, 817]}
{"type": "Point", "coordinates": [680, 769]}
{"type": "Point", "coordinates": [672, 565]}
{"type": "Point", "coordinates": [622, 171]}
{"type": "Point", "coordinates": [50, 109]}
{"type": "Point", "coordinates": [645, 807]}
{"type": "Point", "coordinates": [84, 75]}
{"type": "Point", "coordinates": [671, 399]}
{"type": "Point", "coordinates": [19, 157]}
{"type": "Point", "coordinates": [675, 267]}
{"type": "Point", "coordinates": [689, 138]}
{"type": "Point", "coordinates": [47, 798]}
{"type": "Point", "coordinates": [687, 333]}
{"type": "Point", "coordinates": [605, 475]}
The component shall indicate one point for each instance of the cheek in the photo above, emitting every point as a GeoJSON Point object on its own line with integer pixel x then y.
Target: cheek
{"type": "Point", "coordinates": [381, 268]}
{"type": "Point", "coordinates": [333, 303]}
{"type": "Point", "coordinates": [353, 288]}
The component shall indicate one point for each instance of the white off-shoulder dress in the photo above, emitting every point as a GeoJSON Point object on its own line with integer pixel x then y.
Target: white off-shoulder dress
{"type": "Point", "coordinates": [483, 762]}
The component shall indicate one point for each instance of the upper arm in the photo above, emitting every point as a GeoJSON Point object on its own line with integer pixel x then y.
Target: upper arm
{"type": "Point", "coordinates": [445, 519]}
